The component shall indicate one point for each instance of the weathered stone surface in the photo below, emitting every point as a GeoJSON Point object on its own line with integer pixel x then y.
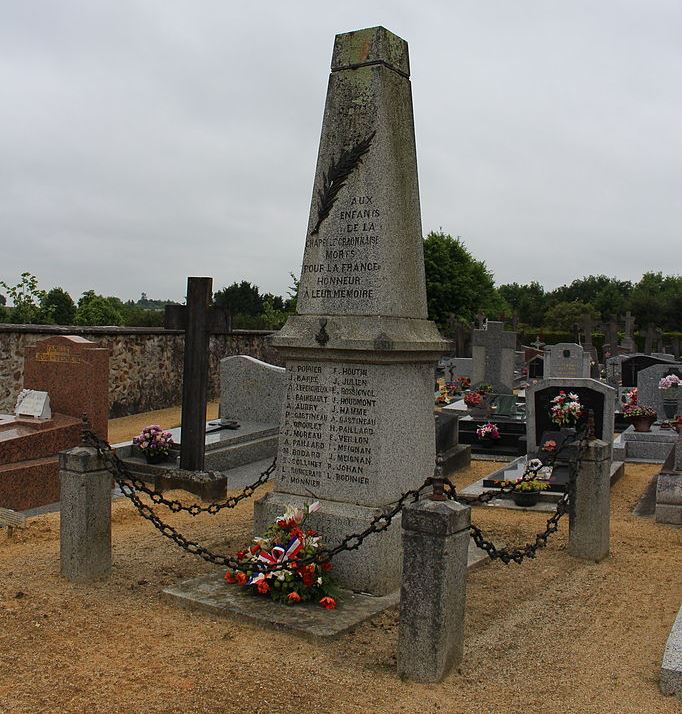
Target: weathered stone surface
{"type": "Point", "coordinates": [589, 523]}
{"type": "Point", "coordinates": [493, 353]}
{"type": "Point", "coordinates": [566, 360]}
{"type": "Point", "coordinates": [85, 515]}
{"type": "Point", "coordinates": [137, 357]}
{"type": "Point", "coordinates": [251, 390]}
{"type": "Point", "coordinates": [433, 589]}
{"type": "Point", "coordinates": [360, 346]}
{"type": "Point", "coordinates": [671, 669]}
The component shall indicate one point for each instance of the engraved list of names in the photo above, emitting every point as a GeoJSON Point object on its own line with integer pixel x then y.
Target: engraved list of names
{"type": "Point", "coordinates": [328, 427]}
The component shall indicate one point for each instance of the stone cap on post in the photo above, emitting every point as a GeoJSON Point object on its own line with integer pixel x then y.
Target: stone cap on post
{"type": "Point", "coordinates": [81, 459]}
{"type": "Point", "coordinates": [442, 518]}
{"type": "Point", "coordinates": [373, 45]}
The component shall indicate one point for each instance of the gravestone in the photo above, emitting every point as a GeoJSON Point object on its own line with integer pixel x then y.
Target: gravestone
{"type": "Point", "coordinates": [587, 325]}
{"type": "Point", "coordinates": [610, 348]}
{"type": "Point", "coordinates": [199, 320]}
{"type": "Point", "coordinates": [493, 352]}
{"type": "Point", "coordinates": [454, 367]}
{"type": "Point", "coordinates": [632, 365]}
{"type": "Point", "coordinates": [628, 344]}
{"type": "Point", "coordinates": [594, 395]}
{"type": "Point", "coordinates": [360, 347]}
{"type": "Point", "coordinates": [75, 373]}
{"type": "Point", "coordinates": [648, 392]}
{"type": "Point", "coordinates": [566, 360]}
{"type": "Point", "coordinates": [652, 339]}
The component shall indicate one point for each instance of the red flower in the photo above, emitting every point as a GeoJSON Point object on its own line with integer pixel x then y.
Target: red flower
{"type": "Point", "coordinates": [308, 578]}
{"type": "Point", "coordinates": [262, 587]}
{"type": "Point", "coordinates": [296, 532]}
{"type": "Point", "coordinates": [241, 578]}
{"type": "Point", "coordinates": [229, 577]}
{"type": "Point", "coordinates": [241, 555]}
{"type": "Point", "coordinates": [311, 532]}
{"type": "Point", "coordinates": [326, 565]}
{"type": "Point", "coordinates": [328, 603]}
{"type": "Point", "coordinates": [254, 549]}
{"type": "Point", "coordinates": [293, 597]}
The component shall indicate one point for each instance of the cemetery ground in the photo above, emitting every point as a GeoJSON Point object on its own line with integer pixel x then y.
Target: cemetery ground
{"type": "Point", "coordinates": [552, 634]}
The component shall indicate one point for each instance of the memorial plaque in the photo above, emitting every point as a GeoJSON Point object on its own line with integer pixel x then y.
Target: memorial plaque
{"type": "Point", "coordinates": [33, 403]}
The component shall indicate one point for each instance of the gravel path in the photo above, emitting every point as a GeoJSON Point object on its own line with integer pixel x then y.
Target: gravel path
{"type": "Point", "coordinates": [552, 634]}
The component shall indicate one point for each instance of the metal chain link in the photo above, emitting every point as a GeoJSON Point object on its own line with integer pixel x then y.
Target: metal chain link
{"type": "Point", "coordinates": [129, 487]}
{"type": "Point", "coordinates": [518, 554]}
{"type": "Point", "coordinates": [121, 472]}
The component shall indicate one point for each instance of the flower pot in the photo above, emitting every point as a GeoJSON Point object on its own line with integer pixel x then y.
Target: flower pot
{"type": "Point", "coordinates": [156, 458]}
{"type": "Point", "coordinates": [642, 423]}
{"type": "Point", "coordinates": [525, 498]}
{"type": "Point", "coordinates": [487, 443]}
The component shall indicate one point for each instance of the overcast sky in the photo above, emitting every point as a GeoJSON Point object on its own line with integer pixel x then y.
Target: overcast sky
{"type": "Point", "coordinates": [142, 142]}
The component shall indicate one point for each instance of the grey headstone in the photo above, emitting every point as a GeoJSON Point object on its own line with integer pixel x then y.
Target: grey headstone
{"type": "Point", "coordinates": [566, 360]}
{"type": "Point", "coordinates": [671, 668]}
{"type": "Point", "coordinates": [494, 354]}
{"type": "Point", "coordinates": [251, 390]}
{"type": "Point", "coordinates": [648, 392]}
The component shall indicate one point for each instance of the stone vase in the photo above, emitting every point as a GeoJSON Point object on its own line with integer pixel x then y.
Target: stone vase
{"type": "Point", "coordinates": [155, 458]}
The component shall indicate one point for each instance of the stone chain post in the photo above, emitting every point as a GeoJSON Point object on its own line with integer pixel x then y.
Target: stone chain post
{"type": "Point", "coordinates": [85, 515]}
{"type": "Point", "coordinates": [433, 590]}
{"type": "Point", "coordinates": [589, 511]}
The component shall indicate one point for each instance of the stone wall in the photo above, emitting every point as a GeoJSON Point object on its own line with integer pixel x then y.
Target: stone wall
{"type": "Point", "coordinates": [145, 367]}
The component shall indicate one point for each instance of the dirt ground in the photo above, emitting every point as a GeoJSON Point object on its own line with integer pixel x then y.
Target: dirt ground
{"type": "Point", "coordinates": [551, 634]}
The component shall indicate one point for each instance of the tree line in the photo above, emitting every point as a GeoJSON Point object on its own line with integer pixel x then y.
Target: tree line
{"type": "Point", "coordinates": [459, 287]}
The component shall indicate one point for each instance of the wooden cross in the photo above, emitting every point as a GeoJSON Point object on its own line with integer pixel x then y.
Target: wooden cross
{"type": "Point", "coordinates": [199, 320]}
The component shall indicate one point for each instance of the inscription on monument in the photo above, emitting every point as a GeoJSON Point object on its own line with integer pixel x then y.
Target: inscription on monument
{"type": "Point", "coordinates": [329, 421]}
{"type": "Point", "coordinates": [348, 264]}
{"type": "Point", "coordinates": [57, 353]}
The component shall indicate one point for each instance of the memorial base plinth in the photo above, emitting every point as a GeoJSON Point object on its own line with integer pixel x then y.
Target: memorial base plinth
{"type": "Point", "coordinates": [373, 568]}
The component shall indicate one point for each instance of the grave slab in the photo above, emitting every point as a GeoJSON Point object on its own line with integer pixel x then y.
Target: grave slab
{"type": "Point", "coordinates": [211, 594]}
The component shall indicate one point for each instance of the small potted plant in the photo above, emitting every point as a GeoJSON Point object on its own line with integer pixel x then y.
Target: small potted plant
{"type": "Point", "coordinates": [476, 403]}
{"type": "Point", "coordinates": [641, 416]}
{"type": "Point", "coordinates": [670, 386]}
{"type": "Point", "coordinates": [154, 443]}
{"type": "Point", "coordinates": [527, 493]}
{"type": "Point", "coordinates": [487, 434]}
{"type": "Point", "coordinates": [565, 410]}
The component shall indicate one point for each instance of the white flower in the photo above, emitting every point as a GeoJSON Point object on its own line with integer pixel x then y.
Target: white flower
{"type": "Point", "coordinates": [314, 507]}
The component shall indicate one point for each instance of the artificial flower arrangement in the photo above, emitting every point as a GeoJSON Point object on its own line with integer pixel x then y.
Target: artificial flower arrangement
{"type": "Point", "coordinates": [472, 399]}
{"type": "Point", "coordinates": [463, 383]}
{"type": "Point", "coordinates": [631, 396]}
{"type": "Point", "coordinates": [153, 441]}
{"type": "Point", "coordinates": [549, 446]}
{"type": "Point", "coordinates": [487, 432]}
{"type": "Point", "coordinates": [521, 485]}
{"type": "Point", "coordinates": [485, 388]}
{"type": "Point", "coordinates": [632, 411]}
{"type": "Point", "coordinates": [443, 396]}
{"type": "Point", "coordinates": [565, 409]}
{"type": "Point", "coordinates": [287, 543]}
{"type": "Point", "coordinates": [671, 381]}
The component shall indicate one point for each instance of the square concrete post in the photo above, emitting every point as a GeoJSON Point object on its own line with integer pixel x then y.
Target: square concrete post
{"type": "Point", "coordinates": [589, 511]}
{"type": "Point", "coordinates": [85, 515]}
{"type": "Point", "coordinates": [433, 591]}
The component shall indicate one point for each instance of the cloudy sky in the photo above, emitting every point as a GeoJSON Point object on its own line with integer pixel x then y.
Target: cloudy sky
{"type": "Point", "coordinates": [145, 141]}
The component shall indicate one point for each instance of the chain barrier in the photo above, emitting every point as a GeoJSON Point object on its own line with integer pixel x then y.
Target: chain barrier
{"type": "Point", "coordinates": [121, 473]}
{"type": "Point", "coordinates": [442, 488]}
{"type": "Point", "coordinates": [518, 554]}
{"type": "Point", "coordinates": [129, 487]}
